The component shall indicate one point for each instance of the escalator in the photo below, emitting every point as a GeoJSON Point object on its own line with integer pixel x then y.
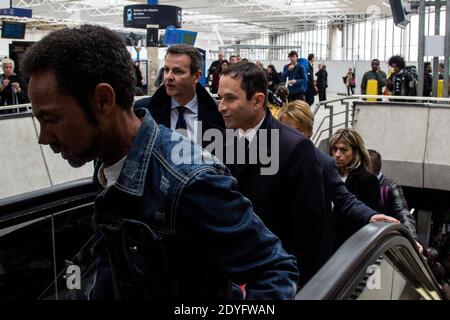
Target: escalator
{"type": "Point", "coordinates": [379, 262]}
{"type": "Point", "coordinates": [43, 233]}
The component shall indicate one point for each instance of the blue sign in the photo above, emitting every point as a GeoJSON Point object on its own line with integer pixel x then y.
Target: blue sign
{"type": "Point", "coordinates": [152, 2]}
{"type": "Point", "coordinates": [174, 36]}
{"type": "Point", "coordinates": [16, 12]}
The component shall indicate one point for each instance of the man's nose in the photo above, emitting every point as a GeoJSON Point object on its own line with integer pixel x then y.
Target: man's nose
{"type": "Point", "coordinates": [222, 106]}
{"type": "Point", "coordinates": [45, 136]}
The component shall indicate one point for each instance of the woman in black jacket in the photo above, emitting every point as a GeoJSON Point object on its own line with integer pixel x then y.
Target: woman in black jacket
{"type": "Point", "coordinates": [273, 77]}
{"type": "Point", "coordinates": [352, 159]}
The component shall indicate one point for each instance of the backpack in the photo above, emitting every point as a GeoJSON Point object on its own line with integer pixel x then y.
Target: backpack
{"type": "Point", "coordinates": [305, 63]}
{"type": "Point", "coordinates": [412, 70]}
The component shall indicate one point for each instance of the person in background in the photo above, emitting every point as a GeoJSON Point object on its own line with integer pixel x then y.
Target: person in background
{"type": "Point", "coordinates": [164, 229]}
{"type": "Point", "coordinates": [233, 59]}
{"type": "Point", "coordinates": [13, 88]}
{"type": "Point", "coordinates": [139, 78]}
{"type": "Point", "coordinates": [214, 66]}
{"type": "Point", "coordinates": [311, 89]}
{"type": "Point", "coordinates": [349, 81]}
{"type": "Point", "coordinates": [224, 64]}
{"type": "Point", "coordinates": [428, 80]}
{"type": "Point", "coordinates": [296, 76]}
{"type": "Point", "coordinates": [393, 201]}
{"type": "Point", "coordinates": [352, 158]}
{"type": "Point", "coordinates": [375, 74]}
{"type": "Point", "coordinates": [401, 82]}
{"type": "Point", "coordinates": [273, 78]}
{"type": "Point", "coordinates": [322, 82]}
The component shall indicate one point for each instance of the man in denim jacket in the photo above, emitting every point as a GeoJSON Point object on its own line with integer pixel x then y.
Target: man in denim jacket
{"type": "Point", "coordinates": [170, 223]}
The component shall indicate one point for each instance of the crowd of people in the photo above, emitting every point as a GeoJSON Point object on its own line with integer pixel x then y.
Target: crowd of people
{"type": "Point", "coordinates": [186, 210]}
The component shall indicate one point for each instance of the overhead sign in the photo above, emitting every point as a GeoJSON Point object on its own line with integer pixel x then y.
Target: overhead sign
{"type": "Point", "coordinates": [16, 12]}
{"type": "Point", "coordinates": [174, 36]}
{"type": "Point", "coordinates": [139, 16]}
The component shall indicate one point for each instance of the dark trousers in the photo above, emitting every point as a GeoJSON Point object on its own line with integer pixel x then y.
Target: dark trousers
{"type": "Point", "coordinates": [350, 89]}
{"type": "Point", "coordinates": [309, 97]}
{"type": "Point", "coordinates": [322, 94]}
{"type": "Point", "coordinates": [296, 96]}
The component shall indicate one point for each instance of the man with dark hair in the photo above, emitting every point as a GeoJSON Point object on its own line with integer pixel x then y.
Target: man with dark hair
{"type": "Point", "coordinates": [215, 65]}
{"type": "Point", "coordinates": [375, 74]}
{"type": "Point", "coordinates": [428, 80]}
{"type": "Point", "coordinates": [182, 103]}
{"type": "Point", "coordinates": [290, 200]}
{"type": "Point", "coordinates": [401, 82]}
{"type": "Point", "coordinates": [296, 76]}
{"type": "Point", "coordinates": [165, 229]}
{"type": "Point", "coordinates": [311, 91]}
{"type": "Point", "coordinates": [393, 201]}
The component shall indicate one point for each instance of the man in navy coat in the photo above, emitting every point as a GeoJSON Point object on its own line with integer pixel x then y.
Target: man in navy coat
{"type": "Point", "coordinates": [282, 175]}
{"type": "Point", "coordinates": [182, 103]}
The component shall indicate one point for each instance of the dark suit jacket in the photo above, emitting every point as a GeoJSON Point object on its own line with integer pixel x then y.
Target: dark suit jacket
{"type": "Point", "coordinates": [366, 188]}
{"type": "Point", "coordinates": [346, 206]}
{"type": "Point", "coordinates": [290, 202]}
{"type": "Point", "coordinates": [160, 107]}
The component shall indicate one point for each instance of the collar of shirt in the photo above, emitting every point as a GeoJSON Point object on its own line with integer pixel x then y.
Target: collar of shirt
{"type": "Point", "coordinates": [107, 176]}
{"type": "Point", "coordinates": [379, 175]}
{"type": "Point", "coordinates": [251, 133]}
{"type": "Point", "coordinates": [192, 105]}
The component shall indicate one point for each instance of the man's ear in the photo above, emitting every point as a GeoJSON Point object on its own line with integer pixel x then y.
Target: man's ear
{"type": "Point", "coordinates": [104, 98]}
{"type": "Point", "coordinates": [197, 75]}
{"type": "Point", "coordinates": [260, 99]}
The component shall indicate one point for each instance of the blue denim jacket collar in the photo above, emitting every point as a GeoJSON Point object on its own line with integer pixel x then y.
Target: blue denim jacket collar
{"type": "Point", "coordinates": [134, 171]}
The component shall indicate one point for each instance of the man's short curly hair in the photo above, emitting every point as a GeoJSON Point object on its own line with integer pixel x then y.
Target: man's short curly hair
{"type": "Point", "coordinates": [82, 58]}
{"type": "Point", "coordinates": [398, 60]}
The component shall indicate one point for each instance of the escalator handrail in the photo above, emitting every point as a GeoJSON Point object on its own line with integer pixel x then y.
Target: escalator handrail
{"type": "Point", "coordinates": [334, 275]}
{"type": "Point", "coordinates": [15, 207]}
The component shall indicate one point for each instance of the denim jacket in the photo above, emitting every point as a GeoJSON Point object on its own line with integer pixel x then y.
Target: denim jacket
{"type": "Point", "coordinates": [170, 230]}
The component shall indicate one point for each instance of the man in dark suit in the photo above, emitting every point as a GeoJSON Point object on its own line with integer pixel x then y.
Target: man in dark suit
{"type": "Point", "coordinates": [289, 198]}
{"type": "Point", "coordinates": [311, 90]}
{"type": "Point", "coordinates": [182, 103]}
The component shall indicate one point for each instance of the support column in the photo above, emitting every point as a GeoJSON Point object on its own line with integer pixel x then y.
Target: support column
{"type": "Point", "coordinates": [437, 27]}
{"type": "Point", "coordinates": [447, 50]}
{"type": "Point", "coordinates": [152, 57]}
{"type": "Point", "coordinates": [420, 58]}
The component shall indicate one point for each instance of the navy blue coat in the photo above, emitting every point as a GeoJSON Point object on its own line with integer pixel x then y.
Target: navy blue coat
{"type": "Point", "coordinates": [366, 188]}
{"type": "Point", "coordinates": [347, 207]}
{"type": "Point", "coordinates": [291, 202]}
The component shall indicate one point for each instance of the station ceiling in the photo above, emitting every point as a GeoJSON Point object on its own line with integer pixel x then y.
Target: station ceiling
{"type": "Point", "coordinates": [222, 20]}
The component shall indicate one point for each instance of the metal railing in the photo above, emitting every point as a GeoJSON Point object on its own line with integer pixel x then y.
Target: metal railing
{"type": "Point", "coordinates": [346, 106]}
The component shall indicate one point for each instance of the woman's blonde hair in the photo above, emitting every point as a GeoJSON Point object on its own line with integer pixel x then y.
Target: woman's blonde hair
{"type": "Point", "coordinates": [356, 142]}
{"type": "Point", "coordinates": [301, 113]}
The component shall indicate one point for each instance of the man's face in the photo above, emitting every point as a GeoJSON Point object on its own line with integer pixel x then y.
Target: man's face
{"type": "Point", "coordinates": [375, 66]}
{"type": "Point", "coordinates": [236, 110]}
{"type": "Point", "coordinates": [63, 123]}
{"type": "Point", "coordinates": [293, 59]}
{"type": "Point", "coordinates": [395, 67]}
{"type": "Point", "coordinates": [8, 69]}
{"type": "Point", "coordinates": [233, 60]}
{"type": "Point", "coordinates": [178, 80]}
{"type": "Point", "coordinates": [220, 56]}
